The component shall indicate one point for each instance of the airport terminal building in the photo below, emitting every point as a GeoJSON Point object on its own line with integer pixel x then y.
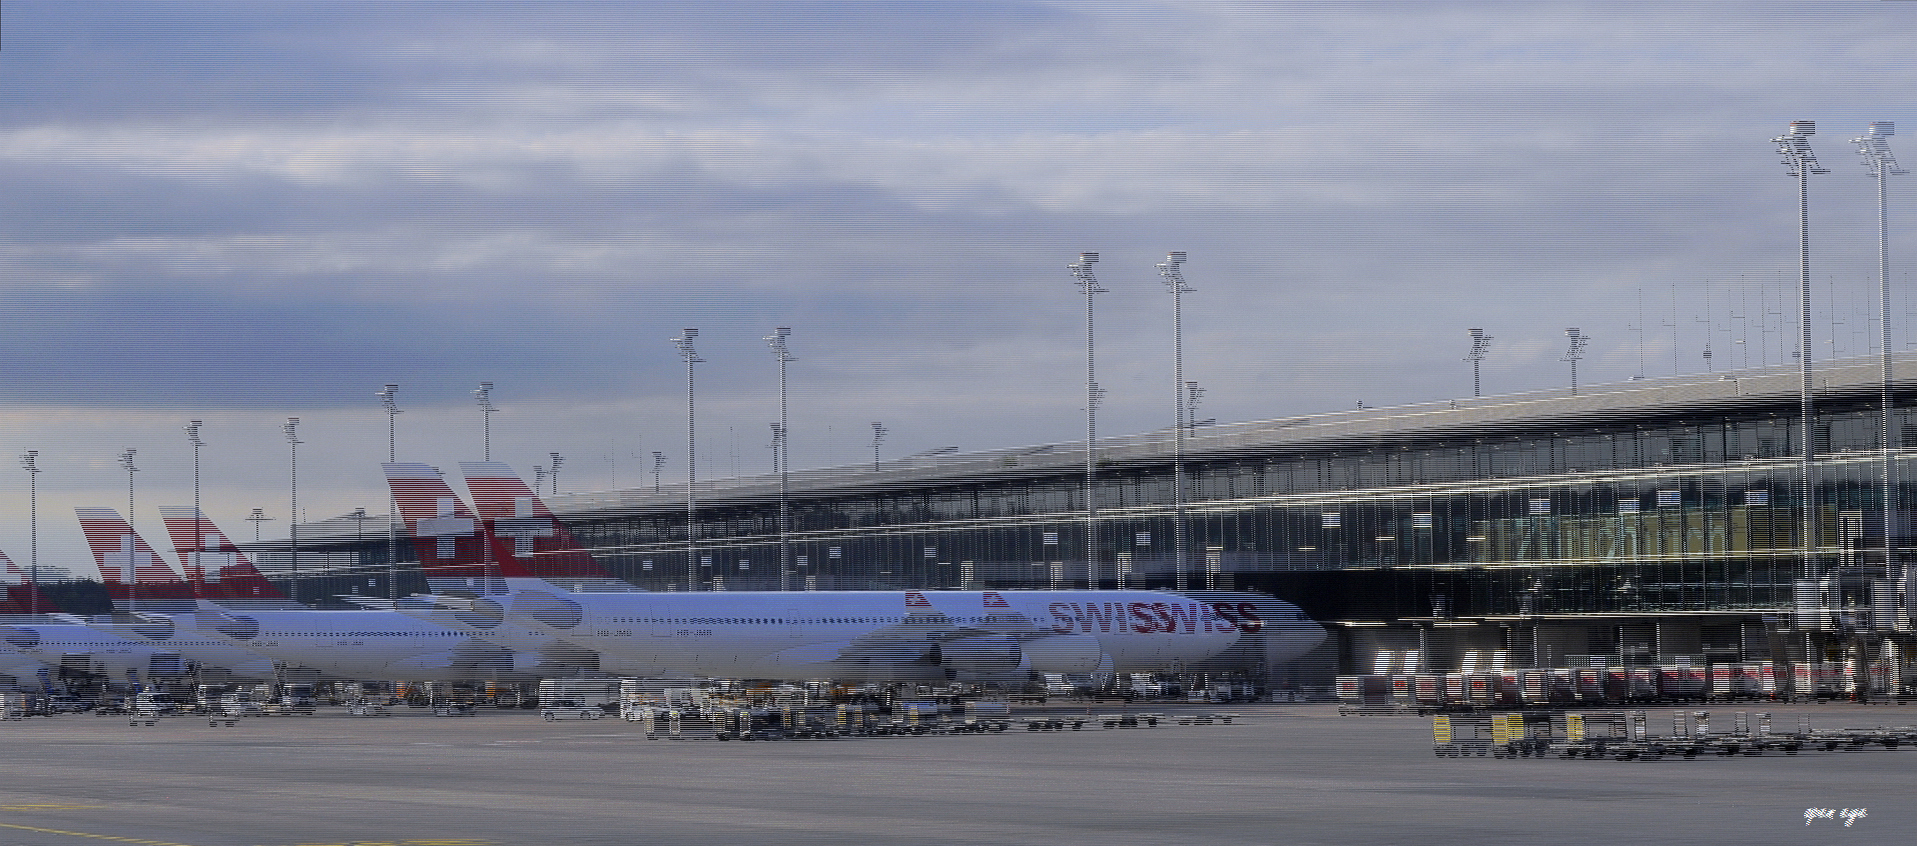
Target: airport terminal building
{"type": "Point", "coordinates": [1649, 522]}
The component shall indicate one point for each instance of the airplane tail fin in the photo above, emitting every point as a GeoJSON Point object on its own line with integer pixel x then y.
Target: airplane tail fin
{"type": "Point", "coordinates": [217, 566]}
{"type": "Point", "coordinates": [526, 536]}
{"type": "Point", "coordinates": [23, 596]}
{"type": "Point", "coordinates": [136, 577]}
{"type": "Point", "coordinates": [445, 534]}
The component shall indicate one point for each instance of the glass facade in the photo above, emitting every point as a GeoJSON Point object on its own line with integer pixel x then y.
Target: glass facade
{"type": "Point", "coordinates": [1691, 514]}
{"type": "Point", "coordinates": [1670, 511]}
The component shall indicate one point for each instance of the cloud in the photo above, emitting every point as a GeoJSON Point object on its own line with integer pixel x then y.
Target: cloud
{"type": "Point", "coordinates": [268, 210]}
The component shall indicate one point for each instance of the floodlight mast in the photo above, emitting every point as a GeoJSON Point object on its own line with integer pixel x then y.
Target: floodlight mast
{"type": "Point", "coordinates": [1579, 341]}
{"type": "Point", "coordinates": [780, 455]}
{"type": "Point", "coordinates": [878, 436]}
{"type": "Point", "coordinates": [256, 518]}
{"type": "Point", "coordinates": [1800, 162]}
{"type": "Point", "coordinates": [557, 460]}
{"type": "Point", "coordinates": [691, 356]}
{"type": "Point", "coordinates": [484, 396]}
{"type": "Point", "coordinates": [1172, 271]}
{"type": "Point", "coordinates": [388, 398]}
{"type": "Point", "coordinates": [1082, 271]}
{"type": "Point", "coordinates": [197, 571]}
{"type": "Point", "coordinates": [293, 443]}
{"type": "Point", "coordinates": [27, 461]}
{"type": "Point", "coordinates": [658, 463]}
{"type": "Point", "coordinates": [133, 578]}
{"type": "Point", "coordinates": [1874, 147]}
{"type": "Point", "coordinates": [1480, 344]}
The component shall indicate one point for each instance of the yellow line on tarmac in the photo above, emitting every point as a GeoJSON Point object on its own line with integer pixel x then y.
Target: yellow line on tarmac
{"type": "Point", "coordinates": [403, 843]}
{"type": "Point", "coordinates": [133, 840]}
{"type": "Point", "coordinates": [49, 807]}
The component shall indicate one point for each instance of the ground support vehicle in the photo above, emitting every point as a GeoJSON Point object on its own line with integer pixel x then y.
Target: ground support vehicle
{"type": "Point", "coordinates": [368, 709]}
{"type": "Point", "coordinates": [1507, 735]}
{"type": "Point", "coordinates": [566, 709]}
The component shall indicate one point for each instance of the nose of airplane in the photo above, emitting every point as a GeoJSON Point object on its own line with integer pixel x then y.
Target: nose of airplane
{"type": "Point", "coordinates": [1292, 639]}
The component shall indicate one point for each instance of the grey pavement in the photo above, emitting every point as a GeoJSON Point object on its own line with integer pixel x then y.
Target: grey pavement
{"type": "Point", "coordinates": [1284, 774]}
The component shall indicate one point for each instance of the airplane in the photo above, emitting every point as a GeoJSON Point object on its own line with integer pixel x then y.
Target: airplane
{"type": "Point", "coordinates": [150, 599]}
{"type": "Point", "coordinates": [1002, 636]}
{"type": "Point", "coordinates": [24, 604]}
{"type": "Point", "coordinates": [42, 645]}
{"type": "Point", "coordinates": [240, 608]}
{"type": "Point", "coordinates": [23, 596]}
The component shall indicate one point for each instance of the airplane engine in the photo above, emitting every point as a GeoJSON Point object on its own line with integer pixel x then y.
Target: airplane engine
{"type": "Point", "coordinates": [557, 659]}
{"type": "Point", "coordinates": [428, 666]}
{"type": "Point", "coordinates": [1070, 653]}
{"type": "Point", "coordinates": [985, 655]}
{"type": "Point", "coordinates": [155, 628]}
{"type": "Point", "coordinates": [484, 614]}
{"type": "Point", "coordinates": [234, 626]}
{"type": "Point", "coordinates": [552, 611]}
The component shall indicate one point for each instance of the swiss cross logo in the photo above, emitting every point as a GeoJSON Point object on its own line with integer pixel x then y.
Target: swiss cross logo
{"type": "Point", "coordinates": [914, 599]}
{"type": "Point", "coordinates": [993, 600]}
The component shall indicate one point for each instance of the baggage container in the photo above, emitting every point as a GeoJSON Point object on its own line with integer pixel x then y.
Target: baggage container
{"type": "Point", "coordinates": [1428, 690]}
{"type": "Point", "coordinates": [1482, 689]}
{"type": "Point", "coordinates": [1403, 690]}
{"type": "Point", "coordinates": [1362, 690]}
{"type": "Point", "coordinates": [1507, 688]}
{"type": "Point", "coordinates": [1643, 681]}
{"type": "Point", "coordinates": [1587, 685]}
{"type": "Point", "coordinates": [1681, 682]}
{"type": "Point", "coordinates": [1617, 684]}
{"type": "Point", "coordinates": [1534, 687]}
{"type": "Point", "coordinates": [1457, 690]}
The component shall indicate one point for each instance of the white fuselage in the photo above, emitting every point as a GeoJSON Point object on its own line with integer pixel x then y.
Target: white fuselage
{"type": "Point", "coordinates": [78, 647]}
{"type": "Point", "coordinates": [874, 635]}
{"type": "Point", "coordinates": [357, 644]}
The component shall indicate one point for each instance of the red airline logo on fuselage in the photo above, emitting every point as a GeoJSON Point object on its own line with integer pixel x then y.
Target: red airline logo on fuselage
{"type": "Point", "coordinates": [1154, 617]}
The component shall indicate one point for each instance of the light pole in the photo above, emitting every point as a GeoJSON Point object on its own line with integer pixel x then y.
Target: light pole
{"type": "Point", "coordinates": [557, 460]}
{"type": "Point", "coordinates": [1480, 344]}
{"type": "Point", "coordinates": [33, 521]}
{"type": "Point", "coordinates": [780, 456]}
{"type": "Point", "coordinates": [133, 576]}
{"type": "Point", "coordinates": [1874, 147]}
{"type": "Point", "coordinates": [658, 464]}
{"type": "Point", "coordinates": [486, 408]}
{"type": "Point", "coordinates": [1799, 161]}
{"type": "Point", "coordinates": [878, 436]}
{"type": "Point", "coordinates": [1175, 283]}
{"type": "Point", "coordinates": [691, 356]}
{"type": "Point", "coordinates": [1082, 272]}
{"type": "Point", "coordinates": [539, 478]}
{"type": "Point", "coordinates": [197, 572]}
{"type": "Point", "coordinates": [388, 398]}
{"type": "Point", "coordinates": [256, 518]}
{"type": "Point", "coordinates": [1579, 341]}
{"type": "Point", "coordinates": [293, 442]}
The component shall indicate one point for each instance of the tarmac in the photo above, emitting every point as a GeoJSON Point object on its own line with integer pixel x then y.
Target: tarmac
{"type": "Point", "coordinates": [1294, 774]}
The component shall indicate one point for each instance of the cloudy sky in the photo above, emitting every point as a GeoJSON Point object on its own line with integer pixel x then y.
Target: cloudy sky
{"type": "Point", "coordinates": [241, 212]}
